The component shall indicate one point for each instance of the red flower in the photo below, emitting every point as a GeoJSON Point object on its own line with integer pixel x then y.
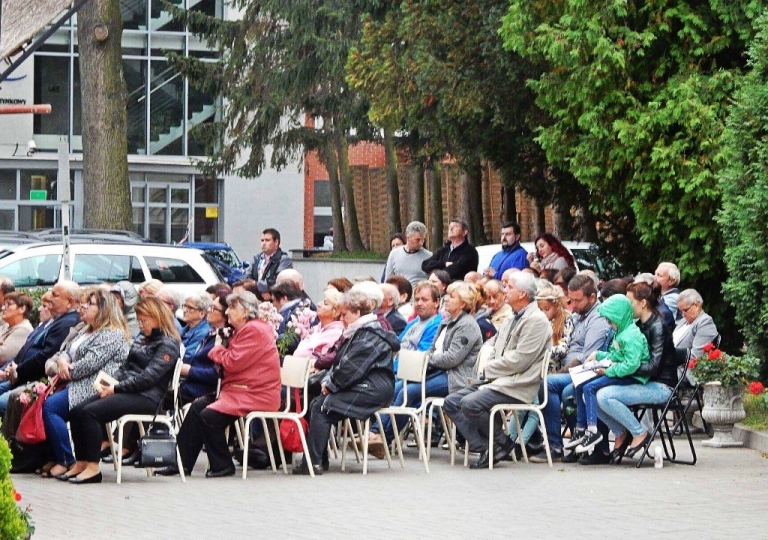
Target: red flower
{"type": "Point", "coordinates": [692, 363]}
{"type": "Point", "coordinates": [715, 354]}
{"type": "Point", "coordinates": [709, 347]}
{"type": "Point", "coordinates": [16, 496]}
{"type": "Point", "coordinates": [756, 388]}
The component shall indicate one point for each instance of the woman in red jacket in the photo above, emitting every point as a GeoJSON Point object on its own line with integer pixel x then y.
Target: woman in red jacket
{"type": "Point", "coordinates": [250, 381]}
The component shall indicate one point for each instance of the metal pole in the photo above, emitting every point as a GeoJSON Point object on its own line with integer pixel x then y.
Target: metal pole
{"type": "Point", "coordinates": [64, 197]}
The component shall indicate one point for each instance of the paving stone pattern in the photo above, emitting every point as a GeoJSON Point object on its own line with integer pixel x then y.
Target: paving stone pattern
{"type": "Point", "coordinates": [724, 496]}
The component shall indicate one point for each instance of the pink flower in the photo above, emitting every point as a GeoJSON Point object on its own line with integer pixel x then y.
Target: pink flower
{"type": "Point", "coordinates": [24, 398]}
{"type": "Point", "coordinates": [40, 388]}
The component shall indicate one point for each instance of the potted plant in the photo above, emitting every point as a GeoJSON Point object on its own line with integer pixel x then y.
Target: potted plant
{"type": "Point", "coordinates": [724, 378]}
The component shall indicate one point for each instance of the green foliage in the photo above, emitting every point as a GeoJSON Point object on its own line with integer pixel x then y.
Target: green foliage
{"type": "Point", "coordinates": [757, 412]}
{"type": "Point", "coordinates": [639, 92]}
{"type": "Point", "coordinates": [36, 294]}
{"type": "Point", "coordinates": [13, 525]}
{"type": "Point", "coordinates": [744, 212]}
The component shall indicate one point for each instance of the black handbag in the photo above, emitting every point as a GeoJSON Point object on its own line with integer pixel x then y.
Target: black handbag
{"type": "Point", "coordinates": [158, 447]}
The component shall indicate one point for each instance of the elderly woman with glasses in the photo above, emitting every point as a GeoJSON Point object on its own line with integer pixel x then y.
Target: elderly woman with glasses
{"type": "Point", "coordinates": [195, 309]}
{"type": "Point", "coordinates": [696, 328]}
{"type": "Point", "coordinates": [250, 381]}
{"type": "Point", "coordinates": [200, 373]}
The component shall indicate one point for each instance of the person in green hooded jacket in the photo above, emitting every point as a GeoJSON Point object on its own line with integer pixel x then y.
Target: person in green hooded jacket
{"type": "Point", "coordinates": [627, 352]}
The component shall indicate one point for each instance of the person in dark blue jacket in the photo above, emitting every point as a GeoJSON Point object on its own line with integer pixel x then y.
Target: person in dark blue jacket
{"type": "Point", "coordinates": [512, 254]}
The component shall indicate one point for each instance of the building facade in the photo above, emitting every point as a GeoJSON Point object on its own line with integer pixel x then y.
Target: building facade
{"type": "Point", "coordinates": [170, 197]}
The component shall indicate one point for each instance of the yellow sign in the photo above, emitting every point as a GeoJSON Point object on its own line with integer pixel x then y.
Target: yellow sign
{"type": "Point", "coordinates": [211, 211]}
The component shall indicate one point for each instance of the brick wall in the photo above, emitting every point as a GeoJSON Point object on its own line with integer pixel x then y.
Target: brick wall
{"type": "Point", "coordinates": [368, 171]}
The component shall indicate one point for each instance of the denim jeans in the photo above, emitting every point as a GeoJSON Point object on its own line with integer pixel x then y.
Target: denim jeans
{"type": "Point", "coordinates": [5, 395]}
{"type": "Point", "coordinates": [55, 418]}
{"type": "Point", "coordinates": [586, 397]}
{"type": "Point", "coordinates": [436, 386]}
{"type": "Point", "coordinates": [613, 402]}
{"type": "Point", "coordinates": [529, 421]}
{"type": "Point", "coordinates": [559, 388]}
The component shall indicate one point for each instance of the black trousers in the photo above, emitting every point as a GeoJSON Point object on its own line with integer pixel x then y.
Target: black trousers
{"type": "Point", "coordinates": [204, 426]}
{"type": "Point", "coordinates": [87, 420]}
{"type": "Point", "coordinates": [470, 409]}
{"type": "Point", "coordinates": [320, 429]}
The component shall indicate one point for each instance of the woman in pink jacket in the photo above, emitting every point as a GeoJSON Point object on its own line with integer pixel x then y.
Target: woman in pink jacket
{"type": "Point", "coordinates": [250, 381]}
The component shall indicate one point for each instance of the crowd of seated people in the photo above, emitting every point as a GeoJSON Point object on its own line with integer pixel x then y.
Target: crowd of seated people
{"type": "Point", "coordinates": [231, 346]}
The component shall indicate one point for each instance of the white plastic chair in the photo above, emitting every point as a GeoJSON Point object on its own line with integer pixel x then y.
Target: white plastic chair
{"type": "Point", "coordinates": [515, 408]}
{"type": "Point", "coordinates": [293, 374]}
{"type": "Point", "coordinates": [168, 420]}
{"type": "Point", "coordinates": [411, 368]}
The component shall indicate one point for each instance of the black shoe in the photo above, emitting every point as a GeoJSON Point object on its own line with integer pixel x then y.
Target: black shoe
{"type": "Point", "coordinates": [482, 461]}
{"type": "Point", "coordinates": [618, 451]}
{"type": "Point", "coordinates": [303, 470]}
{"type": "Point", "coordinates": [229, 471]}
{"type": "Point", "coordinates": [131, 459]}
{"type": "Point", "coordinates": [578, 436]}
{"type": "Point", "coordinates": [108, 459]}
{"type": "Point", "coordinates": [595, 458]}
{"type": "Point", "coordinates": [570, 457]}
{"type": "Point", "coordinates": [106, 452]}
{"type": "Point", "coordinates": [170, 471]}
{"type": "Point", "coordinates": [541, 456]}
{"type": "Point", "coordinates": [95, 479]}
{"type": "Point", "coordinates": [502, 453]}
{"type": "Point", "coordinates": [589, 441]}
{"type": "Point", "coordinates": [325, 463]}
{"type": "Point", "coordinates": [632, 450]}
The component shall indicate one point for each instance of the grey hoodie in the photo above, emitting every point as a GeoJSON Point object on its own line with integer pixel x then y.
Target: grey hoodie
{"type": "Point", "coordinates": [130, 298]}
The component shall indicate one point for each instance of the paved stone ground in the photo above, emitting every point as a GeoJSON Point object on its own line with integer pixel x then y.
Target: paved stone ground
{"type": "Point", "coordinates": [724, 495]}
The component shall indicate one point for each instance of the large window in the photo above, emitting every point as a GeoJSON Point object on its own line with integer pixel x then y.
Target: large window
{"type": "Point", "coordinates": [162, 107]}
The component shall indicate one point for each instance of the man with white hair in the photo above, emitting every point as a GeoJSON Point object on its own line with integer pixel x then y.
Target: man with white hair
{"type": "Point", "coordinates": [389, 307]}
{"type": "Point", "coordinates": [666, 313]}
{"type": "Point", "coordinates": [43, 342]}
{"type": "Point", "coordinates": [513, 372]}
{"type": "Point", "coordinates": [294, 276]}
{"type": "Point", "coordinates": [668, 276]}
{"type": "Point", "coordinates": [171, 298]}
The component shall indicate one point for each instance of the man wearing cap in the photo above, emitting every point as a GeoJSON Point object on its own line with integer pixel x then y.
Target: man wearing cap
{"type": "Point", "coordinates": [270, 262]}
{"type": "Point", "coordinates": [457, 257]}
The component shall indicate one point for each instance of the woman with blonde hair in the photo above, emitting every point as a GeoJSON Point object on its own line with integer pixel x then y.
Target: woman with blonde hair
{"type": "Point", "coordinates": [101, 345]}
{"type": "Point", "coordinates": [142, 383]}
{"type": "Point", "coordinates": [552, 302]}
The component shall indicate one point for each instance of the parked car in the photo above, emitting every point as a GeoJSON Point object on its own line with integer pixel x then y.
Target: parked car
{"type": "Point", "coordinates": [584, 253]}
{"type": "Point", "coordinates": [40, 264]}
{"type": "Point", "coordinates": [224, 257]}
{"type": "Point", "coordinates": [90, 235]}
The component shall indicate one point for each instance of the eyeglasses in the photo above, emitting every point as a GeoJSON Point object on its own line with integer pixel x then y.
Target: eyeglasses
{"type": "Point", "coordinates": [686, 310]}
{"type": "Point", "coordinates": [214, 308]}
{"type": "Point", "coordinates": [186, 307]}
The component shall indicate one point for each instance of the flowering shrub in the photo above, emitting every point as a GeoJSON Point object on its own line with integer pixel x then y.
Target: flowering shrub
{"type": "Point", "coordinates": [715, 365]}
{"type": "Point", "coordinates": [14, 522]}
{"type": "Point", "coordinates": [296, 329]}
{"type": "Point", "coordinates": [269, 313]}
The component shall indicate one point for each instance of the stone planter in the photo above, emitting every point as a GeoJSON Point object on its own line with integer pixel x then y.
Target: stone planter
{"type": "Point", "coordinates": [723, 407]}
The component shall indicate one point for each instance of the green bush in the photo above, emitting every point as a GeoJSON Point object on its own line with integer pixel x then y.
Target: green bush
{"type": "Point", "coordinates": [13, 525]}
{"type": "Point", "coordinates": [36, 293]}
{"type": "Point", "coordinates": [744, 213]}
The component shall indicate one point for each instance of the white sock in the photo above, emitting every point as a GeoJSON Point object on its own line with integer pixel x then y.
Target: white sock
{"type": "Point", "coordinates": [592, 429]}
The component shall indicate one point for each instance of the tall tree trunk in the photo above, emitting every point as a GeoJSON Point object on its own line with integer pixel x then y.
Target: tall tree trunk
{"type": "Point", "coordinates": [416, 192]}
{"type": "Point", "coordinates": [434, 179]}
{"type": "Point", "coordinates": [476, 217]}
{"type": "Point", "coordinates": [393, 191]}
{"type": "Point", "coordinates": [106, 189]}
{"type": "Point", "coordinates": [355, 241]}
{"type": "Point", "coordinates": [541, 217]}
{"type": "Point", "coordinates": [463, 211]}
{"type": "Point", "coordinates": [331, 163]}
{"type": "Point", "coordinates": [509, 210]}
{"type": "Point", "coordinates": [588, 225]}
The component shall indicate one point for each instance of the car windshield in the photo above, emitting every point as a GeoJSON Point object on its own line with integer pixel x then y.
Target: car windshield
{"type": "Point", "coordinates": [227, 256]}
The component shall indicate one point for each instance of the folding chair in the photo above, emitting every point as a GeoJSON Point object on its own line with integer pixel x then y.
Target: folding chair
{"type": "Point", "coordinates": [293, 375]}
{"type": "Point", "coordinates": [364, 429]}
{"type": "Point", "coordinates": [168, 419]}
{"type": "Point", "coordinates": [514, 408]}
{"type": "Point", "coordinates": [659, 411]}
{"type": "Point", "coordinates": [696, 392]}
